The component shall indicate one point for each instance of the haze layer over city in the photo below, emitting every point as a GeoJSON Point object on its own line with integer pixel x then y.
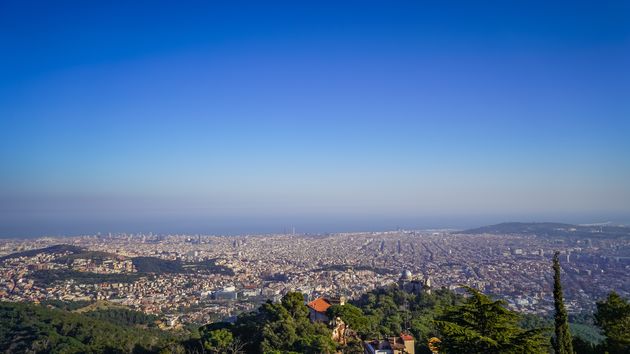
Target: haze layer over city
{"type": "Point", "coordinates": [197, 162]}
{"type": "Point", "coordinates": [209, 118]}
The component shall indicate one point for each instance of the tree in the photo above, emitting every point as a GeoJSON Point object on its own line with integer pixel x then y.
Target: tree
{"type": "Point", "coordinates": [351, 315]}
{"type": "Point", "coordinates": [217, 341]}
{"type": "Point", "coordinates": [483, 325]}
{"type": "Point", "coordinates": [236, 347]}
{"type": "Point", "coordinates": [581, 346]}
{"type": "Point", "coordinates": [562, 344]}
{"type": "Point", "coordinates": [282, 328]}
{"type": "Point", "coordinates": [294, 303]}
{"type": "Point", "coordinates": [613, 317]}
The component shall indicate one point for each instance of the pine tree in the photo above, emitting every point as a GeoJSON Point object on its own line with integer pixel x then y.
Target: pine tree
{"type": "Point", "coordinates": [613, 317]}
{"type": "Point", "coordinates": [563, 342]}
{"type": "Point", "coordinates": [483, 325]}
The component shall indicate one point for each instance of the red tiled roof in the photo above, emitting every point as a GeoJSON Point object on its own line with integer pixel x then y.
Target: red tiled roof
{"type": "Point", "coordinates": [406, 337]}
{"type": "Point", "coordinates": [320, 304]}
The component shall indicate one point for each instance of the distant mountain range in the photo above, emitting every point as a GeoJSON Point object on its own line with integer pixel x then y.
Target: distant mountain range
{"type": "Point", "coordinates": [550, 229]}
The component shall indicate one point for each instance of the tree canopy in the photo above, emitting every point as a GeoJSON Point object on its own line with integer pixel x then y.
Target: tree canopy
{"type": "Point", "coordinates": [613, 317]}
{"type": "Point", "coordinates": [483, 325]}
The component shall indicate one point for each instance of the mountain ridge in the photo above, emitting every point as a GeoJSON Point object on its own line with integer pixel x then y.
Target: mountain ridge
{"type": "Point", "coordinates": [552, 229]}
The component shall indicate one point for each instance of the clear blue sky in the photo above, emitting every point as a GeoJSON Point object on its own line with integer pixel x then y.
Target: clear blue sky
{"type": "Point", "coordinates": [196, 117]}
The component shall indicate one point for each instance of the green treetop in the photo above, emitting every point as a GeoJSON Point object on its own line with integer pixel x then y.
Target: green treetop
{"type": "Point", "coordinates": [613, 317]}
{"type": "Point", "coordinates": [563, 342]}
{"type": "Point", "coordinates": [483, 325]}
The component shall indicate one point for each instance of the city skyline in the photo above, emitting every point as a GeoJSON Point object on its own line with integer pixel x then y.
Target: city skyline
{"type": "Point", "coordinates": [354, 117]}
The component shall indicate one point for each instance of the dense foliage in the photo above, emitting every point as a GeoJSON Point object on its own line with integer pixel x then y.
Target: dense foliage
{"type": "Point", "coordinates": [390, 311]}
{"type": "Point", "coordinates": [46, 277]}
{"type": "Point", "coordinates": [124, 317]}
{"type": "Point", "coordinates": [157, 265]}
{"type": "Point", "coordinates": [613, 316]}
{"type": "Point", "coordinates": [483, 325]}
{"type": "Point", "coordinates": [39, 329]}
{"type": "Point", "coordinates": [282, 327]}
{"type": "Point", "coordinates": [66, 305]}
{"type": "Point", "coordinates": [94, 256]}
{"type": "Point", "coordinates": [61, 248]}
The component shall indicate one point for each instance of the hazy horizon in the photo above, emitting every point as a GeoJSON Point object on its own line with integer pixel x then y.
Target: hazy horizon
{"type": "Point", "coordinates": [328, 117]}
{"type": "Point", "coordinates": [257, 226]}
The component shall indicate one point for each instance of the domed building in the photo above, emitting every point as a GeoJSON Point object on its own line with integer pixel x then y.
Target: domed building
{"type": "Point", "coordinates": [412, 284]}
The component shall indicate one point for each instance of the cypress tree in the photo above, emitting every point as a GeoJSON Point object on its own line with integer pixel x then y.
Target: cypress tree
{"type": "Point", "coordinates": [563, 342]}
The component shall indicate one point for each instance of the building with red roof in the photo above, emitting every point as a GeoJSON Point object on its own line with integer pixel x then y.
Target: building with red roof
{"type": "Point", "coordinates": [318, 308]}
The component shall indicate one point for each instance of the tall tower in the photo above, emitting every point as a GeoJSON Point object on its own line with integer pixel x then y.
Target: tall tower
{"type": "Point", "coordinates": [427, 284]}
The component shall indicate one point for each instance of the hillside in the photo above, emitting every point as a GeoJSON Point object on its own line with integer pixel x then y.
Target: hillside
{"type": "Point", "coordinates": [35, 328]}
{"type": "Point", "coordinates": [61, 248]}
{"type": "Point", "coordinates": [143, 265]}
{"type": "Point", "coordinates": [157, 265]}
{"type": "Point", "coordinates": [550, 229]}
{"type": "Point", "coordinates": [46, 277]}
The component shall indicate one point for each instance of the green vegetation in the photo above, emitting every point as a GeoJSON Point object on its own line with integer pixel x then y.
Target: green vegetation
{"type": "Point", "coordinates": [390, 310]}
{"type": "Point", "coordinates": [351, 315]}
{"type": "Point", "coordinates": [47, 277]}
{"type": "Point", "coordinates": [38, 329]}
{"type": "Point", "coordinates": [587, 333]}
{"type": "Point", "coordinates": [282, 328]}
{"type": "Point", "coordinates": [562, 343]}
{"type": "Point", "coordinates": [209, 266]}
{"type": "Point", "coordinates": [157, 265]}
{"type": "Point", "coordinates": [96, 256]}
{"type": "Point", "coordinates": [66, 305]}
{"type": "Point", "coordinates": [144, 265]}
{"type": "Point", "coordinates": [48, 250]}
{"type": "Point", "coordinates": [613, 316]}
{"type": "Point", "coordinates": [124, 317]}
{"type": "Point", "coordinates": [483, 325]}
{"type": "Point", "coordinates": [584, 333]}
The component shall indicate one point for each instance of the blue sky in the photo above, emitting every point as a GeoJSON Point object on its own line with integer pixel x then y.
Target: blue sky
{"type": "Point", "coordinates": [201, 117]}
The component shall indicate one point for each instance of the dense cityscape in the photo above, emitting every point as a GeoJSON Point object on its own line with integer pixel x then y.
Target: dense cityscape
{"type": "Point", "coordinates": [201, 278]}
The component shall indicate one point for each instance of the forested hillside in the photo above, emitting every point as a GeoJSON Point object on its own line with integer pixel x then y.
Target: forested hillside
{"type": "Point", "coordinates": [40, 329]}
{"type": "Point", "coordinates": [465, 324]}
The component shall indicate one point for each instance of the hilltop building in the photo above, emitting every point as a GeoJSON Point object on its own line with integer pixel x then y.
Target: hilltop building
{"type": "Point", "coordinates": [412, 284]}
{"type": "Point", "coordinates": [318, 307]}
{"type": "Point", "coordinates": [317, 310]}
{"type": "Point", "coordinates": [403, 344]}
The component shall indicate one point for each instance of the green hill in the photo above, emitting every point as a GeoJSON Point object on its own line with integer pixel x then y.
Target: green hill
{"type": "Point", "coordinates": [39, 329]}
{"type": "Point", "coordinates": [61, 248]}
